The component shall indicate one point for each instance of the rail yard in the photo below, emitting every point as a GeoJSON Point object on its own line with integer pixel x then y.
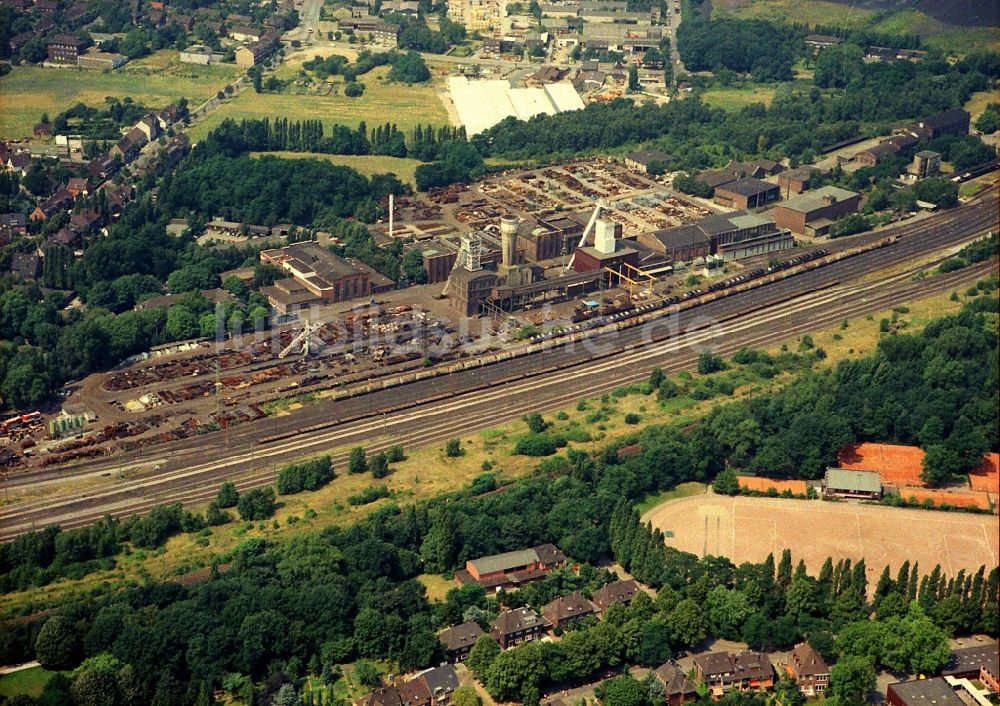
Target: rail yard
{"type": "Point", "coordinates": [427, 405]}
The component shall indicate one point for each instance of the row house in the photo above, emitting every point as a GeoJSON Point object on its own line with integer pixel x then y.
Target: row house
{"type": "Point", "coordinates": [59, 201]}
{"type": "Point", "coordinates": [512, 627]}
{"type": "Point", "coordinates": [722, 672]}
{"type": "Point", "coordinates": [432, 687]}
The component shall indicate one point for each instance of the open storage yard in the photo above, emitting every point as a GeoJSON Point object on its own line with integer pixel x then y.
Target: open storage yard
{"type": "Point", "coordinates": [747, 529]}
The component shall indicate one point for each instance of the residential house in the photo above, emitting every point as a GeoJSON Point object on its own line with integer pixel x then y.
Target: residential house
{"type": "Point", "coordinates": [103, 167]}
{"type": "Point", "coordinates": [14, 223]}
{"type": "Point", "coordinates": [807, 668]}
{"type": "Point", "coordinates": [566, 610]}
{"type": "Point", "coordinates": [513, 627]}
{"type": "Point", "coordinates": [150, 126]}
{"type": "Point", "coordinates": [78, 186]}
{"type": "Point", "coordinates": [85, 222]}
{"type": "Point", "coordinates": [129, 146]}
{"type": "Point", "coordinates": [615, 592]}
{"type": "Point", "coordinates": [722, 672]}
{"type": "Point", "coordinates": [59, 201]}
{"type": "Point", "coordinates": [432, 687]}
{"type": "Point", "coordinates": [42, 130]}
{"type": "Point", "coordinates": [18, 163]}
{"type": "Point", "coordinates": [677, 688]}
{"type": "Point", "coordinates": [27, 266]}
{"type": "Point", "coordinates": [459, 640]}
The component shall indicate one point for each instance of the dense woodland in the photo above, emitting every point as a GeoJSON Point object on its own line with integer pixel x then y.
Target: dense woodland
{"type": "Point", "coordinates": [281, 611]}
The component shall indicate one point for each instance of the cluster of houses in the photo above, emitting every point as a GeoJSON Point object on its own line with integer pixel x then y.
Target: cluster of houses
{"type": "Point", "coordinates": [58, 21]}
{"type": "Point", "coordinates": [971, 676]}
{"type": "Point", "coordinates": [91, 178]}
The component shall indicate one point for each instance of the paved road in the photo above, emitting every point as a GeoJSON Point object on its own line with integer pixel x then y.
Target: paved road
{"type": "Point", "coordinates": [437, 409]}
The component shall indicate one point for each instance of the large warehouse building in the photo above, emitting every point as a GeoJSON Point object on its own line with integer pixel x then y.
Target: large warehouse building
{"type": "Point", "coordinates": [813, 212]}
{"type": "Point", "coordinates": [482, 104]}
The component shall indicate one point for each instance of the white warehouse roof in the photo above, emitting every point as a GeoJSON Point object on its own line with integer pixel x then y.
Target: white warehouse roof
{"type": "Point", "coordinates": [482, 104]}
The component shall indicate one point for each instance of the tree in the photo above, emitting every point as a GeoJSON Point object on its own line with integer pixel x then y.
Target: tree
{"type": "Point", "coordinates": [482, 655]}
{"type": "Point", "coordinates": [227, 496]}
{"type": "Point", "coordinates": [654, 648]}
{"type": "Point", "coordinates": [367, 673]}
{"type": "Point", "coordinates": [633, 78]}
{"type": "Point", "coordinates": [379, 465]}
{"type": "Point", "coordinates": [851, 680]}
{"type": "Point", "coordinates": [453, 448]}
{"type": "Point", "coordinates": [687, 623]}
{"type": "Point", "coordinates": [536, 424]}
{"type": "Point", "coordinates": [988, 122]}
{"type": "Point", "coordinates": [354, 89]}
{"type": "Point", "coordinates": [466, 696]}
{"type": "Point", "coordinates": [356, 462]}
{"type": "Point", "coordinates": [622, 691]}
{"type": "Point", "coordinates": [257, 504]}
{"type": "Point", "coordinates": [727, 610]}
{"type": "Point", "coordinates": [726, 483]}
{"type": "Point", "coordinates": [940, 463]}
{"type": "Point", "coordinates": [58, 644]}
{"type": "Point", "coordinates": [709, 362]}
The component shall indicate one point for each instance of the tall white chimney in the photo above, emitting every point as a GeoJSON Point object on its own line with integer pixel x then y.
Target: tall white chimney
{"type": "Point", "coordinates": [508, 239]}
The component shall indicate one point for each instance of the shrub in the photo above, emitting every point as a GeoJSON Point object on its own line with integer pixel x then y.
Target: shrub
{"type": "Point", "coordinates": [369, 495]}
{"type": "Point", "coordinates": [228, 495]}
{"type": "Point", "coordinates": [356, 462]}
{"type": "Point", "coordinates": [309, 475]}
{"type": "Point", "coordinates": [632, 418]}
{"type": "Point", "coordinates": [453, 449]}
{"type": "Point", "coordinates": [379, 466]}
{"type": "Point", "coordinates": [257, 504]}
{"type": "Point", "coordinates": [537, 445]}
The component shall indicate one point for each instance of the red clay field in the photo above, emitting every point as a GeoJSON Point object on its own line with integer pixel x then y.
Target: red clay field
{"type": "Point", "coordinates": [747, 529]}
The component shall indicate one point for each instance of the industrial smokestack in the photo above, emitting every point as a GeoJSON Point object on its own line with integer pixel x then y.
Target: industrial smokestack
{"type": "Point", "coordinates": [392, 207]}
{"type": "Point", "coordinates": [508, 239]}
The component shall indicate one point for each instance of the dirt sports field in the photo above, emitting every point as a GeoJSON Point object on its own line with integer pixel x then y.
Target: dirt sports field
{"type": "Point", "coordinates": [747, 529]}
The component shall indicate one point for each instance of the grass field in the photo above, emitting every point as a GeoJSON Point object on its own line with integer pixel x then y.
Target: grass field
{"type": "Point", "coordinates": [812, 12]}
{"type": "Point", "coordinates": [684, 490]}
{"type": "Point", "coordinates": [978, 102]}
{"type": "Point", "coordinates": [367, 165]}
{"type": "Point", "coordinates": [27, 681]}
{"type": "Point", "coordinates": [382, 102]}
{"type": "Point", "coordinates": [28, 91]}
{"type": "Point", "coordinates": [935, 32]}
{"type": "Point", "coordinates": [736, 98]}
{"type": "Point", "coordinates": [747, 529]}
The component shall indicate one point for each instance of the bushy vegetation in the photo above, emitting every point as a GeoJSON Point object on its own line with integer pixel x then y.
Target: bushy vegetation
{"type": "Point", "coordinates": [308, 475]}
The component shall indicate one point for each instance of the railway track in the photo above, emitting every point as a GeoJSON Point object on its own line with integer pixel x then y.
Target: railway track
{"type": "Point", "coordinates": [472, 411]}
{"type": "Point", "coordinates": [190, 470]}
